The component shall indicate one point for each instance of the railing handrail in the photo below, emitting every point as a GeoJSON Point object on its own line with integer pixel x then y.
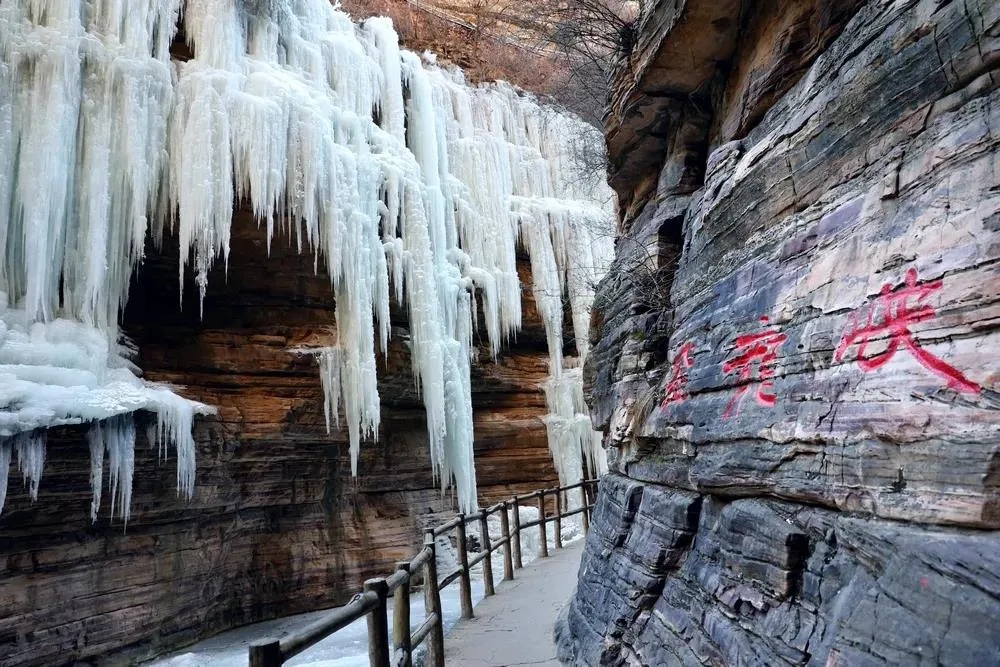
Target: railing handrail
{"type": "Point", "coordinates": [371, 603]}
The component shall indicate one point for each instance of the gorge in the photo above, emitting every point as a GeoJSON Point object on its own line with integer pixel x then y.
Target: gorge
{"type": "Point", "coordinates": [348, 293]}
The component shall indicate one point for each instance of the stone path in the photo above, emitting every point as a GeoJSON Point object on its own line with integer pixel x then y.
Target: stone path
{"type": "Point", "coordinates": [514, 627]}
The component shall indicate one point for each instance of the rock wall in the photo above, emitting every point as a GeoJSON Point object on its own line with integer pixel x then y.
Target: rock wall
{"type": "Point", "coordinates": [277, 524]}
{"type": "Point", "coordinates": [795, 358]}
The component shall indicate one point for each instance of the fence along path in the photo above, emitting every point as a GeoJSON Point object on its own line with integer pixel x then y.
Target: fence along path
{"type": "Point", "coordinates": [372, 602]}
{"type": "Point", "coordinates": [515, 627]}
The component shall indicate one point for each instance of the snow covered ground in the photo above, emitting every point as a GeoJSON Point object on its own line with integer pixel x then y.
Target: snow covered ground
{"type": "Point", "coordinates": [349, 647]}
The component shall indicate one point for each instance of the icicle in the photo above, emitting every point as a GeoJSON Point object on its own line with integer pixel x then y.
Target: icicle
{"type": "Point", "coordinates": [175, 423]}
{"type": "Point", "coordinates": [95, 437]}
{"type": "Point", "coordinates": [392, 111]}
{"type": "Point", "coordinates": [30, 448]}
{"type": "Point", "coordinates": [119, 438]}
{"type": "Point", "coordinates": [571, 437]}
{"type": "Point", "coordinates": [5, 450]}
{"type": "Point", "coordinates": [340, 374]}
{"type": "Point", "coordinates": [329, 368]}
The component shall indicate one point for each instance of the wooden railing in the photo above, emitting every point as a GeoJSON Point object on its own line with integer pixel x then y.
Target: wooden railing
{"type": "Point", "coordinates": [372, 602]}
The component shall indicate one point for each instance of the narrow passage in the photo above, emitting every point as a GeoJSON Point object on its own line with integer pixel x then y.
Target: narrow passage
{"type": "Point", "coordinates": [514, 627]}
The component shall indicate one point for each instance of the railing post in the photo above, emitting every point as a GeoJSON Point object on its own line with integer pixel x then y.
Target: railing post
{"type": "Point", "coordinates": [378, 625]}
{"type": "Point", "coordinates": [559, 519]}
{"type": "Point", "coordinates": [484, 536]}
{"type": "Point", "coordinates": [401, 618]}
{"type": "Point", "coordinates": [517, 534]}
{"type": "Point", "coordinates": [586, 509]}
{"type": "Point", "coordinates": [265, 653]}
{"type": "Point", "coordinates": [432, 604]}
{"type": "Point", "coordinates": [541, 525]}
{"type": "Point", "coordinates": [508, 564]}
{"type": "Point", "coordinates": [465, 586]}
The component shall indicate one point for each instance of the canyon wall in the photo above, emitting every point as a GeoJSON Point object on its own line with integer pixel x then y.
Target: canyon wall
{"type": "Point", "coordinates": [277, 524]}
{"type": "Point", "coordinates": [795, 356]}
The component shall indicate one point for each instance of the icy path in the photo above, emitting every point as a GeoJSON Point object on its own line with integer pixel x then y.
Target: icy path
{"type": "Point", "coordinates": [514, 627]}
{"type": "Point", "coordinates": [349, 647]}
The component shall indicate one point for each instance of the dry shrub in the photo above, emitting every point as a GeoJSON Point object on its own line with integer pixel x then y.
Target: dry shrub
{"type": "Point", "coordinates": [474, 38]}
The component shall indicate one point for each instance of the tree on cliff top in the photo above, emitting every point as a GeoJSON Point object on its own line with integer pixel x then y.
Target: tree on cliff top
{"type": "Point", "coordinates": [562, 49]}
{"type": "Point", "coordinates": [477, 35]}
{"type": "Point", "coordinates": [589, 36]}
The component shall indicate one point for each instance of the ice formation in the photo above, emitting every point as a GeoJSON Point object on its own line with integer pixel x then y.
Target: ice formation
{"type": "Point", "coordinates": [86, 90]}
{"type": "Point", "coordinates": [65, 372]}
{"type": "Point", "coordinates": [399, 177]}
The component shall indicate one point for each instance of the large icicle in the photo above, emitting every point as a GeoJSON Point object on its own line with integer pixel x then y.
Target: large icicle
{"type": "Point", "coordinates": [95, 438]}
{"type": "Point", "coordinates": [382, 166]}
{"type": "Point", "coordinates": [30, 448]}
{"type": "Point", "coordinates": [119, 441]}
{"type": "Point", "coordinates": [6, 447]}
{"type": "Point", "coordinates": [86, 90]}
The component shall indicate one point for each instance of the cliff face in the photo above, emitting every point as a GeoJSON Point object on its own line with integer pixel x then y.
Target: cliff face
{"type": "Point", "coordinates": [795, 355]}
{"type": "Point", "coordinates": [277, 524]}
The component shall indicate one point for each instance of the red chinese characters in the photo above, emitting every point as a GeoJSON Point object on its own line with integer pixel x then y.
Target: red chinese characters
{"type": "Point", "coordinates": [890, 316]}
{"type": "Point", "coordinates": [677, 387]}
{"type": "Point", "coordinates": [754, 359]}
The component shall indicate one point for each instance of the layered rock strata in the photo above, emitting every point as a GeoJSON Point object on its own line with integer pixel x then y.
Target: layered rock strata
{"type": "Point", "coordinates": [794, 357]}
{"type": "Point", "coordinates": [277, 524]}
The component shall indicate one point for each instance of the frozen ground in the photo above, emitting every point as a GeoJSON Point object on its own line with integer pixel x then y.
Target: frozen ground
{"type": "Point", "coordinates": [349, 647]}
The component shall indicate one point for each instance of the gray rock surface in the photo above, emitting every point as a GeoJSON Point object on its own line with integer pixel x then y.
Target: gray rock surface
{"type": "Point", "coordinates": [821, 486]}
{"type": "Point", "coordinates": [673, 578]}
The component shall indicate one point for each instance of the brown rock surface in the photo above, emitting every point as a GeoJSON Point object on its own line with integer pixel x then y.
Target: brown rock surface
{"type": "Point", "coordinates": [818, 487]}
{"type": "Point", "coordinates": [277, 524]}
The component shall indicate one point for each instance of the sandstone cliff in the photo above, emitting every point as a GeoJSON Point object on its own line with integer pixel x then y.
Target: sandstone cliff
{"type": "Point", "coordinates": [795, 359]}
{"type": "Point", "coordinates": [277, 524]}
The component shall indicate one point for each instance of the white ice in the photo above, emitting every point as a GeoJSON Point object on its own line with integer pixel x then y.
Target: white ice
{"type": "Point", "coordinates": [65, 372]}
{"type": "Point", "coordinates": [399, 177]}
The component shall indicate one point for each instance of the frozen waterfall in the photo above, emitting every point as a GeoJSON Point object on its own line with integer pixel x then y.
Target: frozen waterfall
{"type": "Point", "coordinates": [401, 178]}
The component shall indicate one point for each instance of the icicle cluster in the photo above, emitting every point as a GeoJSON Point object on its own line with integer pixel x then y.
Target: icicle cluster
{"type": "Point", "coordinates": [86, 93]}
{"type": "Point", "coordinates": [398, 176]}
{"type": "Point", "coordinates": [65, 372]}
